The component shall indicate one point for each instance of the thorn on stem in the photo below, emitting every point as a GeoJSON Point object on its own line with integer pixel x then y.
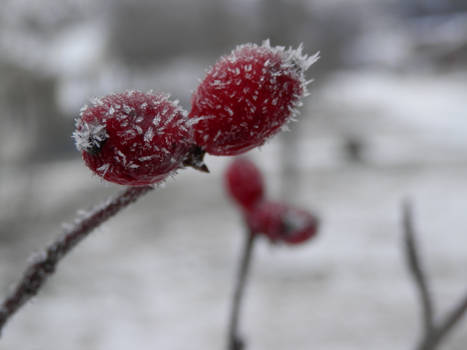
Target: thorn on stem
{"type": "Point", "coordinates": [195, 159]}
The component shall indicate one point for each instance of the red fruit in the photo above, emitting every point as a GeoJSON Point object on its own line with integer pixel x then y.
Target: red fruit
{"type": "Point", "coordinates": [281, 222]}
{"type": "Point", "coordinates": [133, 138]}
{"type": "Point", "coordinates": [247, 96]}
{"type": "Point", "coordinates": [244, 182]}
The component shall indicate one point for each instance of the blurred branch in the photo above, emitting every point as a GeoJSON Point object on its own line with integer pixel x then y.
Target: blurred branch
{"type": "Point", "coordinates": [432, 340]}
{"type": "Point", "coordinates": [452, 318]}
{"type": "Point", "coordinates": [416, 269]}
{"type": "Point", "coordinates": [434, 332]}
{"type": "Point", "coordinates": [44, 264]}
{"type": "Point", "coordinates": [235, 341]}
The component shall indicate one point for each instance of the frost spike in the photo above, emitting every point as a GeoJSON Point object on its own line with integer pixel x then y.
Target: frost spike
{"type": "Point", "coordinates": [120, 141]}
{"type": "Point", "coordinates": [259, 86]}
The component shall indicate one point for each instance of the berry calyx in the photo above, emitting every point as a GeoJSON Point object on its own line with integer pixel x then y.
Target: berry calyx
{"type": "Point", "coordinates": [247, 96]}
{"type": "Point", "coordinates": [282, 223]}
{"type": "Point", "coordinates": [244, 182]}
{"type": "Point", "coordinates": [133, 138]}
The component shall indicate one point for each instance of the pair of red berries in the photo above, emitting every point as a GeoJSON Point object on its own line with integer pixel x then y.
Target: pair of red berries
{"type": "Point", "coordinates": [280, 222]}
{"type": "Point", "coordinates": [136, 138]}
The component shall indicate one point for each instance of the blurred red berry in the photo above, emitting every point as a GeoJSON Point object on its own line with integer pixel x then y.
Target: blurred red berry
{"type": "Point", "coordinates": [247, 96]}
{"type": "Point", "coordinates": [133, 138]}
{"type": "Point", "coordinates": [281, 222]}
{"type": "Point", "coordinates": [244, 182]}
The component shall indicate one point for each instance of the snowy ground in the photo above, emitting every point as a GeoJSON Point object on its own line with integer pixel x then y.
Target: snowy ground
{"type": "Point", "coordinates": [159, 276]}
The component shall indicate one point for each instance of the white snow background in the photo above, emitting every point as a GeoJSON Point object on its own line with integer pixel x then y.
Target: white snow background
{"type": "Point", "coordinates": [160, 274]}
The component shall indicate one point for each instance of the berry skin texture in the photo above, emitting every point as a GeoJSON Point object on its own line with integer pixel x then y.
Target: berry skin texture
{"type": "Point", "coordinates": [282, 223]}
{"type": "Point", "coordinates": [133, 138]}
{"type": "Point", "coordinates": [247, 96]}
{"type": "Point", "coordinates": [244, 182]}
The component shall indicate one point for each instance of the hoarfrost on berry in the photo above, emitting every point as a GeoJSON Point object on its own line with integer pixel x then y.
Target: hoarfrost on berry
{"type": "Point", "coordinates": [281, 222]}
{"type": "Point", "coordinates": [256, 89]}
{"type": "Point", "coordinates": [133, 138]}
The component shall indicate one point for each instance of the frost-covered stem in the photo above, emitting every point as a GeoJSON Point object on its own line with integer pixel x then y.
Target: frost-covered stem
{"type": "Point", "coordinates": [44, 264]}
{"type": "Point", "coordinates": [235, 341]}
{"type": "Point", "coordinates": [416, 269]}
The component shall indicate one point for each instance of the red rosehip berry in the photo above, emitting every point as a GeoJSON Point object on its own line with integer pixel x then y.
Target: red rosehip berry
{"type": "Point", "coordinates": [133, 138]}
{"type": "Point", "coordinates": [247, 96]}
{"type": "Point", "coordinates": [281, 222]}
{"type": "Point", "coordinates": [244, 182]}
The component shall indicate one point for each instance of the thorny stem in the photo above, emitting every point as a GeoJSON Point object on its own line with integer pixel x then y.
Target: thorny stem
{"type": "Point", "coordinates": [44, 264]}
{"type": "Point", "coordinates": [434, 332]}
{"type": "Point", "coordinates": [416, 268]}
{"type": "Point", "coordinates": [235, 341]}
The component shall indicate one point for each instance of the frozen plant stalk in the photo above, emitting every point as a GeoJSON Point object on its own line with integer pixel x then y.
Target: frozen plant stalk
{"type": "Point", "coordinates": [44, 264]}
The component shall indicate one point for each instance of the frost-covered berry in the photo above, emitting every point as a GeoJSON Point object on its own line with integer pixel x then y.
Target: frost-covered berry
{"type": "Point", "coordinates": [281, 222]}
{"type": "Point", "coordinates": [247, 96]}
{"type": "Point", "coordinates": [133, 138]}
{"type": "Point", "coordinates": [244, 182]}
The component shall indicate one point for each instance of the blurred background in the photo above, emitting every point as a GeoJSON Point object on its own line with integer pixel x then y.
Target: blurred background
{"type": "Point", "coordinates": [386, 119]}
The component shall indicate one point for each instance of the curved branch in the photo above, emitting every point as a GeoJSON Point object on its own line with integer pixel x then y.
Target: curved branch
{"type": "Point", "coordinates": [453, 317]}
{"type": "Point", "coordinates": [434, 332]}
{"type": "Point", "coordinates": [416, 268]}
{"type": "Point", "coordinates": [431, 341]}
{"type": "Point", "coordinates": [45, 263]}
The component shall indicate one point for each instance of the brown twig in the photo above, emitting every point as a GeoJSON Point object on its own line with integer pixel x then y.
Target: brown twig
{"type": "Point", "coordinates": [416, 268]}
{"type": "Point", "coordinates": [235, 341]}
{"type": "Point", "coordinates": [44, 264]}
{"type": "Point", "coordinates": [452, 318]}
{"type": "Point", "coordinates": [432, 340]}
{"type": "Point", "coordinates": [434, 332]}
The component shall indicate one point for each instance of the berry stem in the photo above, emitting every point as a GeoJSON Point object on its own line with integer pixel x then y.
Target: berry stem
{"type": "Point", "coordinates": [195, 159]}
{"type": "Point", "coordinates": [235, 341]}
{"type": "Point", "coordinates": [43, 265]}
